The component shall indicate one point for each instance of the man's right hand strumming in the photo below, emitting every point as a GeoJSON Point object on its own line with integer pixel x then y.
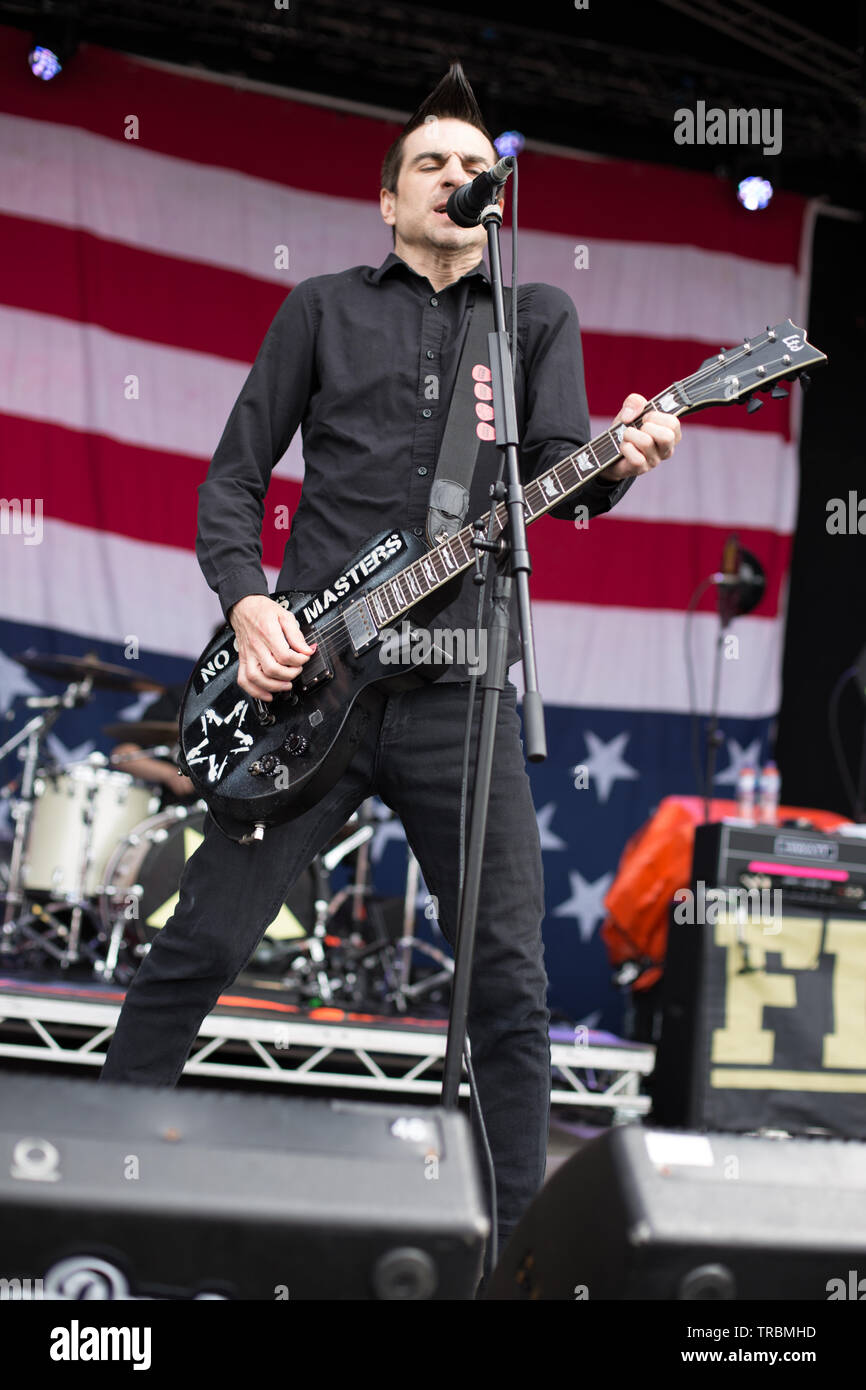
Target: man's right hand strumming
{"type": "Point", "coordinates": [271, 648]}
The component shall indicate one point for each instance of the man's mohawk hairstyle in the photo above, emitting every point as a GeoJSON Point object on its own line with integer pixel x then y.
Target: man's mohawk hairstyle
{"type": "Point", "coordinates": [451, 99]}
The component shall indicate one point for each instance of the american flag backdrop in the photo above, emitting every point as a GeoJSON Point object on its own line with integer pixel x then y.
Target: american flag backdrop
{"type": "Point", "coordinates": [151, 223]}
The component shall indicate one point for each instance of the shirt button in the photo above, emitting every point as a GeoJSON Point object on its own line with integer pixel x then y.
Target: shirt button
{"type": "Point", "coordinates": [426, 412]}
{"type": "Point", "coordinates": [423, 472]}
{"type": "Point", "coordinates": [419, 530]}
{"type": "Point", "coordinates": [434, 301]}
{"type": "Point", "coordinates": [430, 354]}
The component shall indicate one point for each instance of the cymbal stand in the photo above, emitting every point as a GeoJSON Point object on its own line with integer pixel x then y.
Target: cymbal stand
{"type": "Point", "coordinates": [409, 943]}
{"type": "Point", "coordinates": [32, 734]}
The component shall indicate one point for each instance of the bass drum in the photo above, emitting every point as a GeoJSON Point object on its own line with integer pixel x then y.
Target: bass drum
{"type": "Point", "coordinates": [78, 815]}
{"type": "Point", "coordinates": [143, 875]}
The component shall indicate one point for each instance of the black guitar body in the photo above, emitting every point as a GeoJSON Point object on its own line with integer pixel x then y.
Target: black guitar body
{"type": "Point", "coordinates": [258, 762]}
{"type": "Point", "coordinates": [268, 761]}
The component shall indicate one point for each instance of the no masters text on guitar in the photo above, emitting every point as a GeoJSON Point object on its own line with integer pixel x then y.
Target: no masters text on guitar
{"type": "Point", "coordinates": [259, 763]}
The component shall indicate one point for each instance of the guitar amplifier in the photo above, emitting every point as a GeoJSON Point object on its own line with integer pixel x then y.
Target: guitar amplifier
{"type": "Point", "coordinates": [645, 1214]}
{"type": "Point", "coordinates": [764, 993]}
{"type": "Point", "coordinates": [110, 1191]}
{"type": "Point", "coordinates": [812, 869]}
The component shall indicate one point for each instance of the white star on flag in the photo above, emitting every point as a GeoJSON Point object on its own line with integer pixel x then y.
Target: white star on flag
{"type": "Point", "coordinates": [740, 757]}
{"type": "Point", "coordinates": [69, 755]}
{"type": "Point", "coordinates": [14, 681]}
{"type": "Point", "coordinates": [137, 710]}
{"type": "Point", "coordinates": [549, 840]}
{"type": "Point", "coordinates": [605, 763]}
{"type": "Point", "coordinates": [586, 903]}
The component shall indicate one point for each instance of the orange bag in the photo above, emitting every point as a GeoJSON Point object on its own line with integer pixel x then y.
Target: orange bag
{"type": "Point", "coordinates": [656, 861]}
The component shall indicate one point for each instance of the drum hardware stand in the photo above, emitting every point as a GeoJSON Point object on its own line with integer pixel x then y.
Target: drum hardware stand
{"type": "Point", "coordinates": [33, 734]}
{"type": "Point", "coordinates": [106, 969]}
{"type": "Point", "coordinates": [325, 905]}
{"type": "Point", "coordinates": [408, 943]}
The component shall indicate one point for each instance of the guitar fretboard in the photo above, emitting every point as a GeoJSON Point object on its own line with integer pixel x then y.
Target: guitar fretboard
{"type": "Point", "coordinates": [444, 561]}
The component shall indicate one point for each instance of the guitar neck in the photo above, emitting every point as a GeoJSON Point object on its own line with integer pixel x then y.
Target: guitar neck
{"type": "Point", "coordinates": [445, 561]}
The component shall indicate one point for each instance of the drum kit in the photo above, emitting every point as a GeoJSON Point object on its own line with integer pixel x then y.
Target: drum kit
{"type": "Point", "coordinates": [95, 865]}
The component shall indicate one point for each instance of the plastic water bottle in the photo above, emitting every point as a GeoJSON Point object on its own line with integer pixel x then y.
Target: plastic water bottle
{"type": "Point", "coordinates": [768, 795]}
{"type": "Point", "coordinates": [746, 779]}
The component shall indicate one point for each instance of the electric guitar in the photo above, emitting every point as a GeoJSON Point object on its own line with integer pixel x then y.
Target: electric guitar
{"type": "Point", "coordinates": [259, 763]}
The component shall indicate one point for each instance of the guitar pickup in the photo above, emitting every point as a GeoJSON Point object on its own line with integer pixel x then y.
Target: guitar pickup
{"type": "Point", "coordinates": [360, 626]}
{"type": "Point", "coordinates": [318, 669]}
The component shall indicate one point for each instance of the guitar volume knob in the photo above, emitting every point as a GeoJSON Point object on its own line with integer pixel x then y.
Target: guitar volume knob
{"type": "Point", "coordinates": [264, 766]}
{"type": "Point", "coordinates": [296, 744]}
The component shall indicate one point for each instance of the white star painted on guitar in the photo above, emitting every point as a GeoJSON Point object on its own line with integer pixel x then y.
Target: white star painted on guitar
{"type": "Point", "coordinates": [214, 772]}
{"type": "Point", "coordinates": [245, 740]}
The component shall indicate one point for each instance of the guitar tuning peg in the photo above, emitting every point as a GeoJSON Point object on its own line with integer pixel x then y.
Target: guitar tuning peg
{"type": "Point", "coordinates": [805, 380]}
{"type": "Point", "coordinates": [779, 393]}
{"type": "Point", "coordinates": [754, 404]}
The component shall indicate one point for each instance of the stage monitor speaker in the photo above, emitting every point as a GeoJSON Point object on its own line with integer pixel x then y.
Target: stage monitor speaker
{"type": "Point", "coordinates": [114, 1191]}
{"type": "Point", "coordinates": [648, 1214]}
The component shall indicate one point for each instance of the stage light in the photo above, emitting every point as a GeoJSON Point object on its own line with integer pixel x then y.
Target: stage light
{"type": "Point", "coordinates": [55, 41]}
{"type": "Point", "coordinates": [754, 193]}
{"type": "Point", "coordinates": [44, 62]}
{"type": "Point", "coordinates": [509, 142]}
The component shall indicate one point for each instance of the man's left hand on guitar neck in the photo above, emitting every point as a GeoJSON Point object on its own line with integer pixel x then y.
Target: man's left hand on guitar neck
{"type": "Point", "coordinates": [643, 448]}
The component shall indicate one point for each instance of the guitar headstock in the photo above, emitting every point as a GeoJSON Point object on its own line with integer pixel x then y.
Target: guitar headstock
{"type": "Point", "coordinates": [778, 354]}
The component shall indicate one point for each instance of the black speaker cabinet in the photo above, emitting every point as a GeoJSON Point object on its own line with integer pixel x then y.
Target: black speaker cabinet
{"type": "Point", "coordinates": [649, 1214]}
{"type": "Point", "coordinates": [114, 1191]}
{"type": "Point", "coordinates": [763, 1023]}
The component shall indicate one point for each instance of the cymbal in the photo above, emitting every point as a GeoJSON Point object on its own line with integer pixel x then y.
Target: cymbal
{"type": "Point", "coordinates": [143, 731]}
{"type": "Point", "coordinates": [77, 668]}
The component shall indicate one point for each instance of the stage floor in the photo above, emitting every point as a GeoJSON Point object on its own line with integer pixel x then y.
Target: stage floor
{"type": "Point", "coordinates": [254, 1035]}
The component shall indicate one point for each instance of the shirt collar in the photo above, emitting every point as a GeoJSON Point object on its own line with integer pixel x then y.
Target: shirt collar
{"type": "Point", "coordinates": [392, 261]}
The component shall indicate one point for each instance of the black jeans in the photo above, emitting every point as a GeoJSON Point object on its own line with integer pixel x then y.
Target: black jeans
{"type": "Point", "coordinates": [408, 753]}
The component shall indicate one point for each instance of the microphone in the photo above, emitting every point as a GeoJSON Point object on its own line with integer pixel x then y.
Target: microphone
{"type": "Point", "coordinates": [740, 582]}
{"type": "Point", "coordinates": [466, 204]}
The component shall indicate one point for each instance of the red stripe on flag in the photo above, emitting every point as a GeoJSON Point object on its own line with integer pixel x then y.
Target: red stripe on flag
{"type": "Point", "coordinates": [323, 150]}
{"type": "Point", "coordinates": [617, 364]}
{"type": "Point", "coordinates": [137, 293]}
{"type": "Point", "coordinates": [90, 480]}
{"type": "Point", "coordinates": [645, 564]}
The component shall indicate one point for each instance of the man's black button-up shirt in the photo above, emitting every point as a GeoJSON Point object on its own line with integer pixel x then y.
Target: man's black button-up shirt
{"type": "Point", "coordinates": [365, 362]}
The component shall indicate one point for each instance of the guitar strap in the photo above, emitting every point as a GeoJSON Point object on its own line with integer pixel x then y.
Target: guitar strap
{"type": "Point", "coordinates": [458, 453]}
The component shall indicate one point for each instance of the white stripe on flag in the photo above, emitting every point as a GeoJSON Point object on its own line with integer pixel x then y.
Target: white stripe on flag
{"type": "Point", "coordinates": [633, 659]}
{"type": "Point", "coordinates": [104, 586]}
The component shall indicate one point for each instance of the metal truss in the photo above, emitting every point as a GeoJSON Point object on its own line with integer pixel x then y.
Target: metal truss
{"type": "Point", "coordinates": [382, 1058]}
{"type": "Point", "coordinates": [783, 39]}
{"type": "Point", "coordinates": [404, 47]}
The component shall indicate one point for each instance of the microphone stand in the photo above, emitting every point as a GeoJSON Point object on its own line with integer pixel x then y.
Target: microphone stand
{"type": "Point", "coordinates": [714, 737]}
{"type": "Point", "coordinates": [516, 554]}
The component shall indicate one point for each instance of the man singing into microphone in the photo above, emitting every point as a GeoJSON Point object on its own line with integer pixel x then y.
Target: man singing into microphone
{"type": "Point", "coordinates": [364, 361]}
